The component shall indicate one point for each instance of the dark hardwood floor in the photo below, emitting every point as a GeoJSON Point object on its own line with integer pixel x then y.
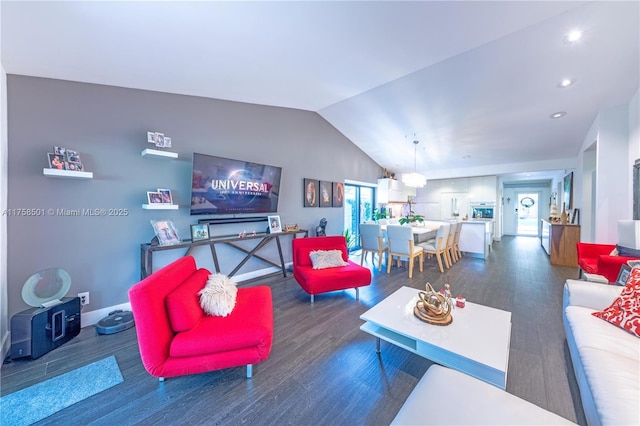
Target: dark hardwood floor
{"type": "Point", "coordinates": [323, 370]}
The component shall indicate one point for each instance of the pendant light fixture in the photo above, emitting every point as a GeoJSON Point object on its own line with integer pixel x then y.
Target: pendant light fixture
{"type": "Point", "coordinates": [414, 179]}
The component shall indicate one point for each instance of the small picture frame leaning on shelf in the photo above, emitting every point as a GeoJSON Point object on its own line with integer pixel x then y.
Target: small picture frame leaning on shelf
{"type": "Point", "coordinates": [165, 194]}
{"type": "Point", "coordinates": [154, 197]}
{"type": "Point", "coordinates": [274, 224]}
{"type": "Point", "coordinates": [56, 161]}
{"type": "Point", "coordinates": [166, 232]}
{"type": "Point", "coordinates": [159, 139]}
{"type": "Point", "coordinates": [65, 159]}
{"type": "Point", "coordinates": [200, 232]}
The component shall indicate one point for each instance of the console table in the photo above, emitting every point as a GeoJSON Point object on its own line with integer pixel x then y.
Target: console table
{"type": "Point", "coordinates": [559, 241]}
{"type": "Point", "coordinates": [146, 250]}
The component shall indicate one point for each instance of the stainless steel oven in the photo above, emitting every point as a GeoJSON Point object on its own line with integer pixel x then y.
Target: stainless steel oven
{"type": "Point", "coordinates": [482, 210]}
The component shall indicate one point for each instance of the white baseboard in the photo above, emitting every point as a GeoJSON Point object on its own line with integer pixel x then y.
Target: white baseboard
{"type": "Point", "coordinates": [6, 344]}
{"type": "Point", "coordinates": [92, 317]}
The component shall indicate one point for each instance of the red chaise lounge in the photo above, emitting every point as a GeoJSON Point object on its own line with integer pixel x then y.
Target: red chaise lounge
{"type": "Point", "coordinates": [316, 281]}
{"type": "Point", "coordinates": [597, 259]}
{"type": "Point", "coordinates": [177, 338]}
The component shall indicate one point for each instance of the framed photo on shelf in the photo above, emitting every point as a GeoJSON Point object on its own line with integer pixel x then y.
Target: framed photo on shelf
{"type": "Point", "coordinates": [166, 232]}
{"type": "Point", "coordinates": [326, 189]}
{"type": "Point", "coordinates": [199, 232]}
{"type": "Point", "coordinates": [274, 224]}
{"type": "Point", "coordinates": [575, 217]}
{"type": "Point", "coordinates": [310, 193]}
{"type": "Point", "coordinates": [57, 161]}
{"type": "Point", "coordinates": [154, 197]}
{"type": "Point", "coordinates": [165, 194]}
{"type": "Point", "coordinates": [152, 137]}
{"type": "Point", "coordinates": [623, 275]}
{"type": "Point", "coordinates": [160, 140]}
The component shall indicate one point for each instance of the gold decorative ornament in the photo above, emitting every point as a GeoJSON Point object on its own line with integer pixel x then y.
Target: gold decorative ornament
{"type": "Point", "coordinates": [433, 307]}
{"type": "Point", "coordinates": [291, 228]}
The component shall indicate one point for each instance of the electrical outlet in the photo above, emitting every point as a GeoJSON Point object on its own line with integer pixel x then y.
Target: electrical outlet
{"type": "Point", "coordinates": [84, 298]}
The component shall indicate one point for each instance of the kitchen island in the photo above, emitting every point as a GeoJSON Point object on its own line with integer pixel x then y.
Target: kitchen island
{"type": "Point", "coordinates": [475, 237]}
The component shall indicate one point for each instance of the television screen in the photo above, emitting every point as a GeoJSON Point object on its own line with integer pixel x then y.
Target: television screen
{"type": "Point", "coordinates": [226, 186]}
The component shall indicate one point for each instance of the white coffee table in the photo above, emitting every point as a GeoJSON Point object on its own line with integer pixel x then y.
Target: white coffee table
{"type": "Point", "coordinates": [475, 343]}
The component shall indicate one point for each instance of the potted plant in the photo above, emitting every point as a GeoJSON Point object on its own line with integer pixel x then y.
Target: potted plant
{"type": "Point", "coordinates": [411, 218]}
{"type": "Point", "coordinates": [379, 214]}
{"type": "Point", "coordinates": [351, 239]}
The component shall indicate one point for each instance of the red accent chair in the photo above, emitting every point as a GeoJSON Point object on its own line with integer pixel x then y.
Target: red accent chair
{"type": "Point", "coordinates": [177, 338]}
{"type": "Point", "coordinates": [316, 281]}
{"type": "Point", "coordinates": [596, 259]}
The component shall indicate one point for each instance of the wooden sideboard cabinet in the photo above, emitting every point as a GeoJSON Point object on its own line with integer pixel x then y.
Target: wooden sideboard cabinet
{"type": "Point", "coordinates": [559, 241]}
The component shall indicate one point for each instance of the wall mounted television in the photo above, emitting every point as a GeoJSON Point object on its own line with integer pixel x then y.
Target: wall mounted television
{"type": "Point", "coordinates": [223, 186]}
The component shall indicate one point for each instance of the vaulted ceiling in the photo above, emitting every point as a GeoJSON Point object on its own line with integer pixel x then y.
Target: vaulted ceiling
{"type": "Point", "coordinates": [475, 82]}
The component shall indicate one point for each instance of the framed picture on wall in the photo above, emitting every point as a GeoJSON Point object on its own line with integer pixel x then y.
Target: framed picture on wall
{"type": "Point", "coordinates": [310, 193]}
{"type": "Point", "coordinates": [338, 194]}
{"type": "Point", "coordinates": [568, 191]}
{"type": "Point", "coordinates": [326, 190]}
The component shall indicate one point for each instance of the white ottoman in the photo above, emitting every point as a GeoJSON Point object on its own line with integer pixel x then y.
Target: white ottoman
{"type": "Point", "coordinates": [448, 397]}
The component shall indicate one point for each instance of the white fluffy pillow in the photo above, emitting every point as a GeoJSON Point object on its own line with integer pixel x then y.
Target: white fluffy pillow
{"type": "Point", "coordinates": [218, 297]}
{"type": "Point", "coordinates": [321, 259]}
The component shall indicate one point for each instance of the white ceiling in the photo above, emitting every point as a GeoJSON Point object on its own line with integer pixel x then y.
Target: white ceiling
{"type": "Point", "coordinates": [463, 77]}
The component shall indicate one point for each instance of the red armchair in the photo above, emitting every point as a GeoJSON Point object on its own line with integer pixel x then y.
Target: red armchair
{"type": "Point", "coordinates": [596, 259]}
{"type": "Point", "coordinates": [316, 281]}
{"type": "Point", "coordinates": [177, 338]}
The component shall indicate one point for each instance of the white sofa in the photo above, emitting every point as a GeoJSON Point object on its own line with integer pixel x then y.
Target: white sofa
{"type": "Point", "coordinates": [606, 358]}
{"type": "Point", "coordinates": [447, 397]}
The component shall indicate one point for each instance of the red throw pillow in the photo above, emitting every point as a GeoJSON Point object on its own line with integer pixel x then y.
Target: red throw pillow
{"type": "Point", "coordinates": [625, 310]}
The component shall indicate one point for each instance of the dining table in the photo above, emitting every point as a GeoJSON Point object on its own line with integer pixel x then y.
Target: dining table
{"type": "Point", "coordinates": [421, 233]}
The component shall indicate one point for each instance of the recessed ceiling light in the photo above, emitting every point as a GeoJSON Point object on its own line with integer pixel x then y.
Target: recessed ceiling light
{"type": "Point", "coordinates": [558, 114]}
{"type": "Point", "coordinates": [566, 82]}
{"type": "Point", "coordinates": [573, 36]}
{"type": "Point", "coordinates": [466, 157]}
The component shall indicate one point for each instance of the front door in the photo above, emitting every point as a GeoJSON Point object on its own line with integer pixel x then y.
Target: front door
{"type": "Point", "coordinates": [528, 214]}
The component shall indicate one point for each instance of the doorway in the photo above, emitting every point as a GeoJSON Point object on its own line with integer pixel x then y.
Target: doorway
{"type": "Point", "coordinates": [528, 213]}
{"type": "Point", "coordinates": [358, 201]}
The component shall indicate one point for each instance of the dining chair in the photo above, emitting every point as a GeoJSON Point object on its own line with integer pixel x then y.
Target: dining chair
{"type": "Point", "coordinates": [438, 245]}
{"type": "Point", "coordinates": [456, 240]}
{"type": "Point", "coordinates": [450, 251]}
{"type": "Point", "coordinates": [400, 244]}
{"type": "Point", "coordinates": [372, 241]}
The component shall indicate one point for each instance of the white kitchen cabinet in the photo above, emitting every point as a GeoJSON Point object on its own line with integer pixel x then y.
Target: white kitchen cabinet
{"type": "Point", "coordinates": [490, 188]}
{"type": "Point", "coordinates": [454, 185]}
{"type": "Point", "coordinates": [393, 191]}
{"type": "Point", "coordinates": [430, 210]}
{"type": "Point", "coordinates": [453, 202]}
{"type": "Point", "coordinates": [475, 189]}
{"type": "Point", "coordinates": [430, 193]}
{"type": "Point", "coordinates": [475, 238]}
{"type": "Point", "coordinates": [482, 189]}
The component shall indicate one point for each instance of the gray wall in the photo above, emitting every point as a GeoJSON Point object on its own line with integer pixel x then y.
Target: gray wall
{"type": "Point", "coordinates": [108, 126]}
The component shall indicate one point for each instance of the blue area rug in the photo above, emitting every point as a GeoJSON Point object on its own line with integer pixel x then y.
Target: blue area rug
{"type": "Point", "coordinates": [46, 398]}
